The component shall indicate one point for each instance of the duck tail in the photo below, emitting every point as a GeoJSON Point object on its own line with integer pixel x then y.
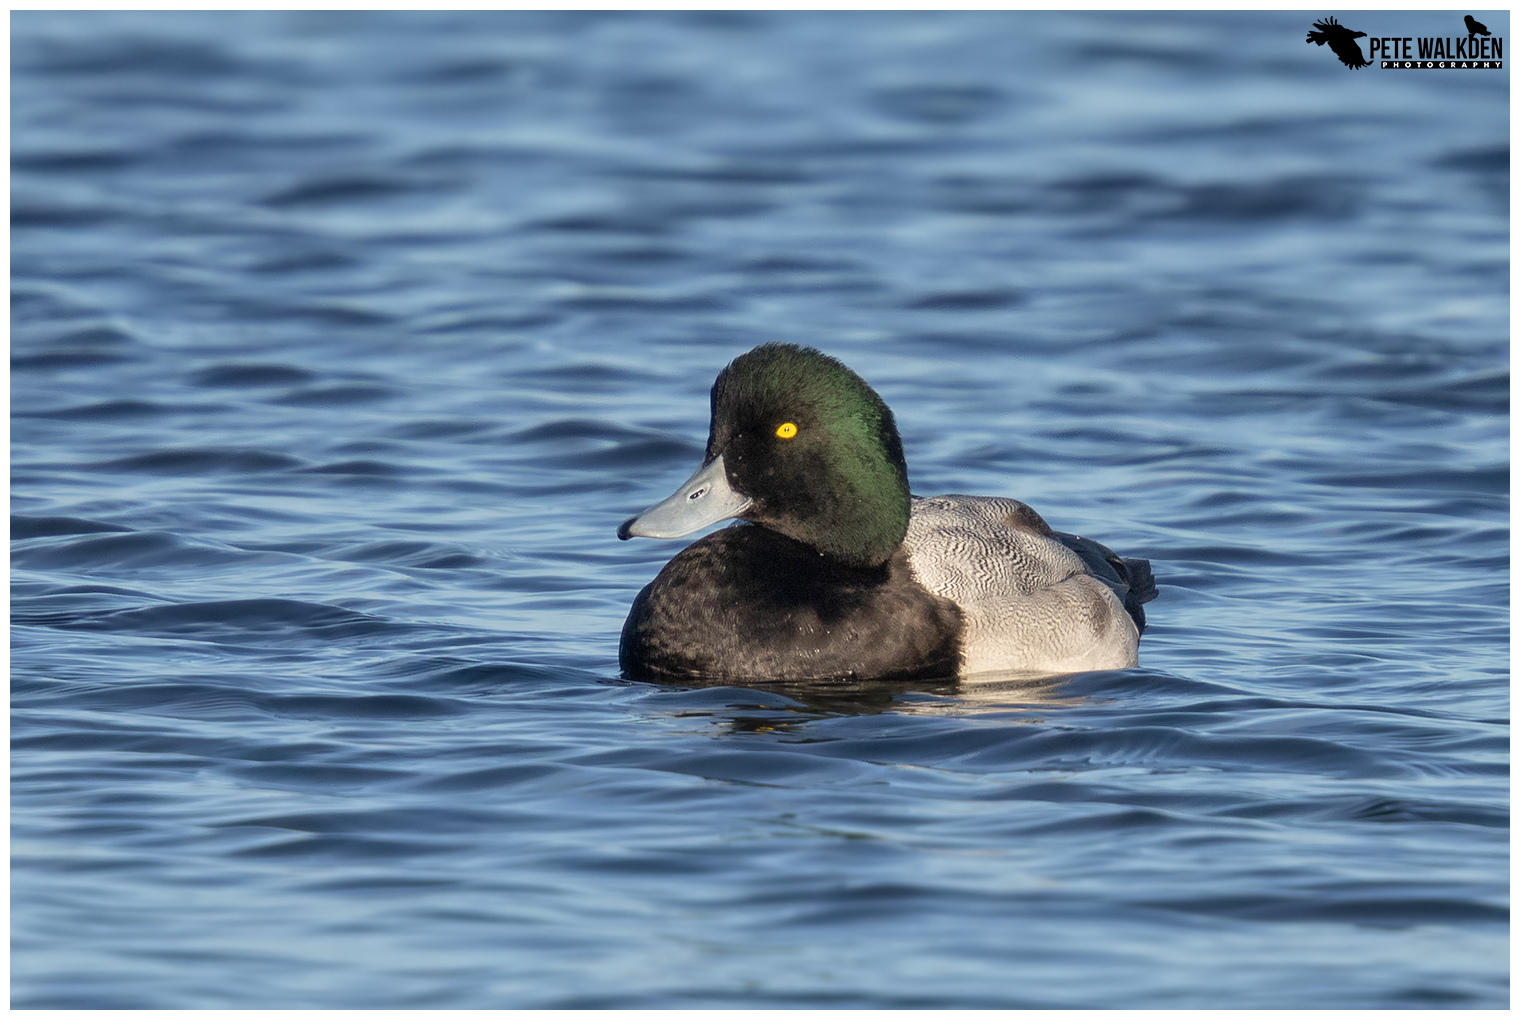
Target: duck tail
{"type": "Point", "coordinates": [1142, 587]}
{"type": "Point", "coordinates": [1142, 583]}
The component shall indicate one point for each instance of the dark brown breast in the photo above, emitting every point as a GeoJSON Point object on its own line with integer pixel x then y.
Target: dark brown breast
{"type": "Point", "coordinates": [747, 603]}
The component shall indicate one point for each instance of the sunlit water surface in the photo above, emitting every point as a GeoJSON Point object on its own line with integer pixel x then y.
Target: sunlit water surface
{"type": "Point", "coordinates": [342, 344]}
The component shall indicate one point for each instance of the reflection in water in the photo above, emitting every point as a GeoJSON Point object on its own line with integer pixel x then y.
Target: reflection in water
{"type": "Point", "coordinates": [767, 706]}
{"type": "Point", "coordinates": [1009, 691]}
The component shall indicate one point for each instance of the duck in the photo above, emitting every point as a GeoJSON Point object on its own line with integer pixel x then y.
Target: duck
{"type": "Point", "coordinates": [835, 571]}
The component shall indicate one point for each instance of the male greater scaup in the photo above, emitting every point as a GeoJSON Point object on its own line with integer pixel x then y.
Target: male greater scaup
{"type": "Point", "coordinates": [840, 573]}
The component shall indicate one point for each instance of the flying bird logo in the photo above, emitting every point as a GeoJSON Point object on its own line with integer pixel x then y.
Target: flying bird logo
{"type": "Point", "coordinates": [1341, 39]}
{"type": "Point", "coordinates": [1474, 26]}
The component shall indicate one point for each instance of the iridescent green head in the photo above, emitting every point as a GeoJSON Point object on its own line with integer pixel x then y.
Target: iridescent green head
{"type": "Point", "coordinates": [814, 449]}
{"type": "Point", "coordinates": [801, 445]}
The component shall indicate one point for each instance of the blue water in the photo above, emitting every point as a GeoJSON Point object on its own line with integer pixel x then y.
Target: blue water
{"type": "Point", "coordinates": [344, 342]}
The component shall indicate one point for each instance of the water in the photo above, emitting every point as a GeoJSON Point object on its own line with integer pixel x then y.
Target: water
{"type": "Point", "coordinates": [343, 343]}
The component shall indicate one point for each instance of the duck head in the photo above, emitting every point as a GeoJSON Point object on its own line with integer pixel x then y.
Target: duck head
{"type": "Point", "coordinates": [799, 444]}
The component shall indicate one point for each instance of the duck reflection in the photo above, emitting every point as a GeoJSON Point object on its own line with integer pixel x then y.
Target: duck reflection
{"type": "Point", "coordinates": [770, 706]}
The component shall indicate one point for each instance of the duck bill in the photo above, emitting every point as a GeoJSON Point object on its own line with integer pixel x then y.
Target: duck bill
{"type": "Point", "coordinates": [705, 498]}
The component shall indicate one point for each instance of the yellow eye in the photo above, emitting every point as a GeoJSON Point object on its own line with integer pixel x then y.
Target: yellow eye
{"type": "Point", "coordinates": [787, 431]}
